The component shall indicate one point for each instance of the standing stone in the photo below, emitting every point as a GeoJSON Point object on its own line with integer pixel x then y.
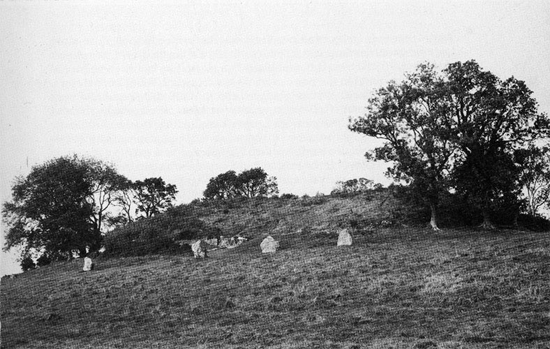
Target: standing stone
{"type": "Point", "coordinates": [344, 238]}
{"type": "Point", "coordinates": [199, 249]}
{"type": "Point", "coordinates": [269, 245]}
{"type": "Point", "coordinates": [88, 264]}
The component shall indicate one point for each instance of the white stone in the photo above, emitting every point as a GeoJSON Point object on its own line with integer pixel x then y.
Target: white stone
{"type": "Point", "coordinates": [213, 241]}
{"type": "Point", "coordinates": [88, 264]}
{"type": "Point", "coordinates": [344, 238]}
{"type": "Point", "coordinates": [226, 242]}
{"type": "Point", "coordinates": [199, 249]}
{"type": "Point", "coordinates": [269, 245]}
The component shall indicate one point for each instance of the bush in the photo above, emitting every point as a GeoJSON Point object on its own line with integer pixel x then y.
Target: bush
{"type": "Point", "coordinates": [27, 263]}
{"type": "Point", "coordinates": [289, 196]}
{"type": "Point", "coordinates": [353, 187]}
{"type": "Point", "coordinates": [43, 260]}
{"type": "Point", "coordinates": [156, 235]}
{"type": "Point", "coordinates": [534, 223]}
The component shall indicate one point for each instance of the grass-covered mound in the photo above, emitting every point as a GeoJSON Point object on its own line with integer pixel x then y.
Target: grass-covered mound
{"type": "Point", "coordinates": [247, 217]}
{"type": "Point", "coordinates": [364, 212]}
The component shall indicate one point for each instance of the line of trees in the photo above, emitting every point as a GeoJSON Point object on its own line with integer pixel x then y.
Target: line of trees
{"type": "Point", "coordinates": [464, 130]}
{"type": "Point", "coordinates": [68, 204]}
{"type": "Point", "coordinates": [461, 130]}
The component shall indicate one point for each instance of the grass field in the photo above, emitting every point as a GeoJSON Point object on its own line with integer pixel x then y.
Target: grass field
{"type": "Point", "coordinates": [392, 288]}
{"type": "Point", "coordinates": [396, 287]}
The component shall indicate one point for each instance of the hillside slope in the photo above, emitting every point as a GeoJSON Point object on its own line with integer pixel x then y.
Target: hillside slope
{"type": "Point", "coordinates": [395, 287]}
{"type": "Point", "coordinates": [287, 216]}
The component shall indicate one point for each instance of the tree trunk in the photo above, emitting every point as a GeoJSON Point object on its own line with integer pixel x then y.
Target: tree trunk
{"type": "Point", "coordinates": [487, 223]}
{"type": "Point", "coordinates": [433, 219]}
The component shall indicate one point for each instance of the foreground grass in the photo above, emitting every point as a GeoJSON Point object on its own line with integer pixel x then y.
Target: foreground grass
{"type": "Point", "coordinates": [393, 288]}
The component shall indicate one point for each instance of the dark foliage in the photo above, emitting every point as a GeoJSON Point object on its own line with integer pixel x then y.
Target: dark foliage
{"type": "Point", "coordinates": [153, 195]}
{"type": "Point", "coordinates": [43, 260]}
{"type": "Point", "coordinates": [534, 223]}
{"type": "Point", "coordinates": [456, 211]}
{"type": "Point", "coordinates": [249, 183]}
{"type": "Point", "coordinates": [158, 234]}
{"type": "Point", "coordinates": [53, 208]}
{"type": "Point", "coordinates": [27, 263]}
{"type": "Point", "coordinates": [355, 186]}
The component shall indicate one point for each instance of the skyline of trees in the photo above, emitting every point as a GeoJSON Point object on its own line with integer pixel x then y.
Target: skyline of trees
{"type": "Point", "coordinates": [66, 205]}
{"type": "Point", "coordinates": [460, 130]}
{"type": "Point", "coordinates": [254, 182]}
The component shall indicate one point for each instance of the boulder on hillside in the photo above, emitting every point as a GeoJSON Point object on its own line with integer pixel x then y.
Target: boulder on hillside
{"type": "Point", "coordinates": [269, 245]}
{"type": "Point", "coordinates": [199, 249]}
{"type": "Point", "coordinates": [344, 238]}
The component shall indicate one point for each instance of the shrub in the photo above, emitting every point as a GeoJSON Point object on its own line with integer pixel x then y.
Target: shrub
{"type": "Point", "coordinates": [354, 187]}
{"type": "Point", "coordinates": [195, 202]}
{"type": "Point", "coordinates": [289, 196]}
{"type": "Point", "coordinates": [534, 223]}
{"type": "Point", "coordinates": [43, 260]}
{"type": "Point", "coordinates": [158, 234]}
{"type": "Point", "coordinates": [27, 263]}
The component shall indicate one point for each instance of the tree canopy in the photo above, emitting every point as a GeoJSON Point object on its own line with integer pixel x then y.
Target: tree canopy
{"type": "Point", "coordinates": [249, 183]}
{"type": "Point", "coordinates": [60, 206]}
{"type": "Point", "coordinates": [535, 177]}
{"type": "Point", "coordinates": [459, 129]}
{"type": "Point", "coordinates": [153, 195]}
{"type": "Point", "coordinates": [490, 119]}
{"type": "Point", "coordinates": [67, 204]}
{"type": "Point", "coordinates": [410, 117]}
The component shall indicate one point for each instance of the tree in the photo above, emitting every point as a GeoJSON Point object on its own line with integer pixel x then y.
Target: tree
{"type": "Point", "coordinates": [249, 183]}
{"type": "Point", "coordinates": [256, 183]}
{"type": "Point", "coordinates": [125, 200]}
{"type": "Point", "coordinates": [411, 118]}
{"type": "Point", "coordinates": [60, 207]}
{"type": "Point", "coordinates": [153, 195]}
{"type": "Point", "coordinates": [489, 120]}
{"type": "Point", "coordinates": [461, 126]}
{"type": "Point", "coordinates": [106, 186]}
{"type": "Point", "coordinates": [224, 186]}
{"type": "Point", "coordinates": [489, 183]}
{"type": "Point", "coordinates": [535, 177]}
{"type": "Point", "coordinates": [50, 211]}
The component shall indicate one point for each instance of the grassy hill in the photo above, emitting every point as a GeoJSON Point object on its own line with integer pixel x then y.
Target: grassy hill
{"type": "Point", "coordinates": [398, 286]}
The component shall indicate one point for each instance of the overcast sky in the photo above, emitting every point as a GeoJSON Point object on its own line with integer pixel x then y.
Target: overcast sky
{"type": "Point", "coordinates": [188, 90]}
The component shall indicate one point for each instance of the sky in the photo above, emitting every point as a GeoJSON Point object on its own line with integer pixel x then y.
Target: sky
{"type": "Point", "coordinates": [186, 90]}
